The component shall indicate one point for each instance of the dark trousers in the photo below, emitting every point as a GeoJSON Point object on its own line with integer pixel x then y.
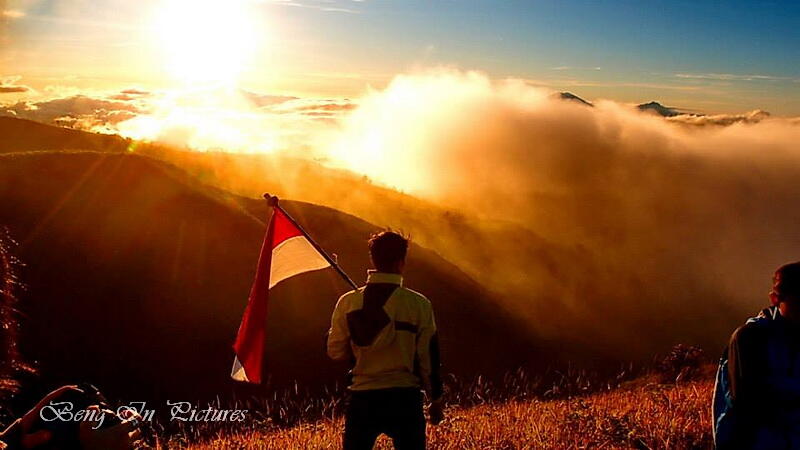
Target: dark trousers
{"type": "Point", "coordinates": [395, 412]}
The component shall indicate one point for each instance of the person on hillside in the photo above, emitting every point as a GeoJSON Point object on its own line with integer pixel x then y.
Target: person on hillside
{"type": "Point", "coordinates": [757, 395]}
{"type": "Point", "coordinates": [389, 332]}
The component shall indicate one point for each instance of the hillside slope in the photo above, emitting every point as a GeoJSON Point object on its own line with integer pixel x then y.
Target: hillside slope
{"type": "Point", "coordinates": [642, 417]}
{"type": "Point", "coordinates": [20, 135]}
{"type": "Point", "coordinates": [137, 276]}
{"type": "Point", "coordinates": [565, 290]}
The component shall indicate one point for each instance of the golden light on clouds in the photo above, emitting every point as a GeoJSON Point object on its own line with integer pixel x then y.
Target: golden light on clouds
{"type": "Point", "coordinates": [443, 133]}
{"type": "Point", "coordinates": [206, 41]}
{"type": "Point", "coordinates": [12, 14]}
{"type": "Point", "coordinates": [203, 120]}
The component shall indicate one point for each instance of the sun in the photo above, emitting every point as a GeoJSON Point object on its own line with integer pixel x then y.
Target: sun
{"type": "Point", "coordinates": [206, 41]}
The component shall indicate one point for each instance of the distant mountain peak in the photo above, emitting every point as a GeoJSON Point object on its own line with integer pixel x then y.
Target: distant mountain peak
{"type": "Point", "coordinates": [659, 109]}
{"type": "Point", "coordinates": [571, 97]}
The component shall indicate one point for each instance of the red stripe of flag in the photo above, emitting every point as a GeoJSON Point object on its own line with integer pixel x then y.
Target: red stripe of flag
{"type": "Point", "coordinates": [286, 252]}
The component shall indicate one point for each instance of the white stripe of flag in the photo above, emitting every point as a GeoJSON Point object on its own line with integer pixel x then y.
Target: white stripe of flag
{"type": "Point", "coordinates": [286, 252]}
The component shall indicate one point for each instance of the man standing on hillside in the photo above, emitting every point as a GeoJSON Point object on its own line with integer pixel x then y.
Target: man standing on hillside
{"type": "Point", "coordinates": [390, 334]}
{"type": "Point", "coordinates": [757, 396]}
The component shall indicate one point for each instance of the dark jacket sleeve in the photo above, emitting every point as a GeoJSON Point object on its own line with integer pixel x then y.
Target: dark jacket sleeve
{"type": "Point", "coordinates": [747, 366]}
{"type": "Point", "coordinates": [754, 386]}
{"type": "Point", "coordinates": [747, 373]}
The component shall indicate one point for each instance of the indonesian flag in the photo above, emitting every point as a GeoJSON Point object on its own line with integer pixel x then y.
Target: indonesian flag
{"type": "Point", "coordinates": [286, 252]}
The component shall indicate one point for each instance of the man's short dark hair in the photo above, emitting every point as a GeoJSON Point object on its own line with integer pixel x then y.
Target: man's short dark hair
{"type": "Point", "coordinates": [787, 281]}
{"type": "Point", "coordinates": [387, 248]}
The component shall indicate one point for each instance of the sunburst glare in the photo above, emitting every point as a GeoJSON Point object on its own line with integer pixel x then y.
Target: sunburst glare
{"type": "Point", "coordinates": [206, 41]}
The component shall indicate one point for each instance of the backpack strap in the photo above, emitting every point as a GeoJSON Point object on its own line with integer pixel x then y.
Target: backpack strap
{"type": "Point", "coordinates": [366, 323]}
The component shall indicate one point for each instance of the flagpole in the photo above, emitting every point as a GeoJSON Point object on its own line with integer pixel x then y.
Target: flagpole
{"type": "Point", "coordinates": [273, 202]}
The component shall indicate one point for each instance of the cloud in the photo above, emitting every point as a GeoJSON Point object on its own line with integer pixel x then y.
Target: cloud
{"type": "Point", "coordinates": [78, 111]}
{"type": "Point", "coordinates": [641, 233]}
{"type": "Point", "coordinates": [261, 100]}
{"type": "Point", "coordinates": [135, 91]}
{"type": "Point", "coordinates": [12, 14]}
{"type": "Point", "coordinates": [578, 83]}
{"type": "Point", "coordinates": [329, 106]}
{"type": "Point", "coordinates": [315, 107]}
{"type": "Point", "coordinates": [9, 84]}
{"type": "Point", "coordinates": [78, 21]}
{"type": "Point", "coordinates": [237, 120]}
{"type": "Point", "coordinates": [130, 94]}
{"type": "Point", "coordinates": [218, 119]}
{"type": "Point", "coordinates": [751, 117]}
{"type": "Point", "coordinates": [733, 77]}
{"type": "Point", "coordinates": [124, 97]}
{"type": "Point", "coordinates": [101, 121]}
{"type": "Point", "coordinates": [320, 5]}
{"type": "Point", "coordinates": [7, 15]}
{"type": "Point", "coordinates": [6, 89]}
{"type": "Point", "coordinates": [595, 68]}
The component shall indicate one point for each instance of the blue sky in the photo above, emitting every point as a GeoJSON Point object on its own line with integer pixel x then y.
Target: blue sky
{"type": "Point", "coordinates": [713, 56]}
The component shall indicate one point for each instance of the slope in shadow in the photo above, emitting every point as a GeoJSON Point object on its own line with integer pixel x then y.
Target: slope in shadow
{"type": "Point", "coordinates": [137, 277]}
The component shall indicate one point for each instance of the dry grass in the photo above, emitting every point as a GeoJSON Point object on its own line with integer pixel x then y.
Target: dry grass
{"type": "Point", "coordinates": [639, 415]}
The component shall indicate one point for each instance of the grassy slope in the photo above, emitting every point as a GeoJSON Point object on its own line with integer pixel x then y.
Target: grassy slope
{"type": "Point", "coordinates": [641, 416]}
